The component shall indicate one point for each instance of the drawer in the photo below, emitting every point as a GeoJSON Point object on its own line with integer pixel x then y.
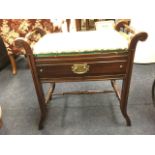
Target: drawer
{"type": "Point", "coordinates": [81, 69]}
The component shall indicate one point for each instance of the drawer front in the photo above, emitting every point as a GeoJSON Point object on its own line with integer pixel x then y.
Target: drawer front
{"type": "Point", "coordinates": [81, 69]}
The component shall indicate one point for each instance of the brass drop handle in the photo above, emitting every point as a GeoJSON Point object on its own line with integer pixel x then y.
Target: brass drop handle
{"type": "Point", "coordinates": [80, 68]}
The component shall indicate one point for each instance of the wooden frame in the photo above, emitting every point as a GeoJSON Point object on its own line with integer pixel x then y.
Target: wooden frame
{"type": "Point", "coordinates": [107, 66]}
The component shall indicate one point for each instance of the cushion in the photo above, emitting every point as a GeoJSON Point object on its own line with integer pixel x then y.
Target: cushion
{"type": "Point", "coordinates": [81, 42]}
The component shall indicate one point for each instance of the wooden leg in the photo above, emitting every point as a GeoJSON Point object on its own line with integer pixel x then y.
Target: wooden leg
{"type": "Point", "coordinates": [39, 91]}
{"type": "Point", "coordinates": [13, 64]}
{"type": "Point", "coordinates": [116, 89]}
{"type": "Point", "coordinates": [52, 88]}
{"type": "Point", "coordinates": [124, 100]}
{"type": "Point", "coordinates": [42, 117]}
{"type": "Point", "coordinates": [153, 92]}
{"type": "Point", "coordinates": [42, 104]}
{"type": "Point", "coordinates": [50, 93]}
{"type": "Point", "coordinates": [0, 117]}
{"type": "Point", "coordinates": [41, 98]}
{"type": "Point", "coordinates": [43, 109]}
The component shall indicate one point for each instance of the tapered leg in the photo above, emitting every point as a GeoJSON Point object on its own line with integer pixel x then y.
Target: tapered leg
{"type": "Point", "coordinates": [39, 91]}
{"type": "Point", "coordinates": [124, 100]}
{"type": "Point", "coordinates": [42, 117]}
{"type": "Point", "coordinates": [153, 92]}
{"type": "Point", "coordinates": [13, 64]}
{"type": "Point", "coordinates": [41, 98]}
{"type": "Point", "coordinates": [42, 104]}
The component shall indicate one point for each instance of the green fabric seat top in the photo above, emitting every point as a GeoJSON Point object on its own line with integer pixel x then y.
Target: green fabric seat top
{"type": "Point", "coordinates": [84, 42]}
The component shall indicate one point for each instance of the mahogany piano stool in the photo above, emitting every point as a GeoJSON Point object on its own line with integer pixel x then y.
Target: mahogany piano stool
{"type": "Point", "coordinates": [83, 56]}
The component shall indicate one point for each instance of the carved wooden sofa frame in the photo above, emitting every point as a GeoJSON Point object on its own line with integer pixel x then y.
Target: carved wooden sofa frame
{"type": "Point", "coordinates": [117, 67]}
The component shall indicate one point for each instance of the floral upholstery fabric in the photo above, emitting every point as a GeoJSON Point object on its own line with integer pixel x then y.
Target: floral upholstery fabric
{"type": "Point", "coordinates": [10, 29]}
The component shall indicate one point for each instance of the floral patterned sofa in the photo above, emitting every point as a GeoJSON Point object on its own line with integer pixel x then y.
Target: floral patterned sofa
{"type": "Point", "coordinates": [10, 29]}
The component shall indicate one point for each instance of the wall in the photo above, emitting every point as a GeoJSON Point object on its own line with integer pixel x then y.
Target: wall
{"type": "Point", "coordinates": [145, 52]}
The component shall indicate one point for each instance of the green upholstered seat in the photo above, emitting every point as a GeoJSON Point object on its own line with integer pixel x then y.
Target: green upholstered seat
{"type": "Point", "coordinates": [84, 42]}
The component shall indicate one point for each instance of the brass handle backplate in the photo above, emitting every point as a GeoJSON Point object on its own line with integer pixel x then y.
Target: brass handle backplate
{"type": "Point", "coordinates": [80, 68]}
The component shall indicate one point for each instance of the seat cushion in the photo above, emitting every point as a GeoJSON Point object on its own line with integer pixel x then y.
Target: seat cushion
{"type": "Point", "coordinates": [81, 42]}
